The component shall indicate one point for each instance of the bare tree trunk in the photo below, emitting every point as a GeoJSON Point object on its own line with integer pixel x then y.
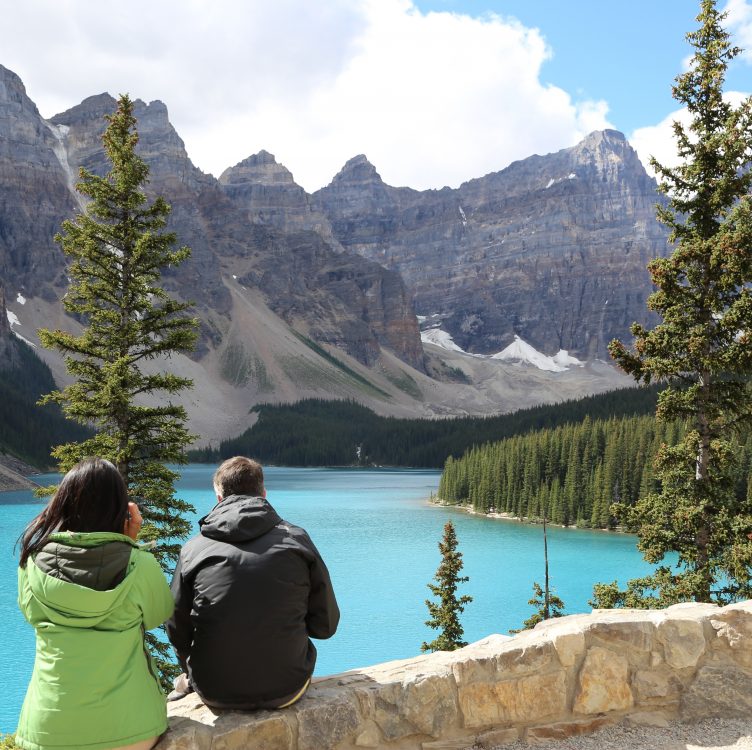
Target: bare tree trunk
{"type": "Point", "coordinates": [546, 595]}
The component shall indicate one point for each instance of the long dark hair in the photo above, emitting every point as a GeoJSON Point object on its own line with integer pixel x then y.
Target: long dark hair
{"type": "Point", "coordinates": [91, 497]}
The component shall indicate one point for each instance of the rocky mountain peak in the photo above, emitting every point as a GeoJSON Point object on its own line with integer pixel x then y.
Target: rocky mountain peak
{"type": "Point", "coordinates": [608, 151]}
{"type": "Point", "coordinates": [357, 171]}
{"type": "Point", "coordinates": [13, 92]}
{"type": "Point", "coordinates": [607, 136]}
{"type": "Point", "coordinates": [259, 169]}
{"type": "Point", "coordinates": [517, 252]}
{"type": "Point", "coordinates": [90, 109]}
{"type": "Point", "coordinates": [159, 144]}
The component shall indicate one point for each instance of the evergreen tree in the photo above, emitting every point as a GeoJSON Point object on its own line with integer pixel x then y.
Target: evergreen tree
{"type": "Point", "coordinates": [546, 607]}
{"type": "Point", "coordinates": [118, 250]}
{"type": "Point", "coordinates": [703, 346]}
{"type": "Point", "coordinates": [445, 613]}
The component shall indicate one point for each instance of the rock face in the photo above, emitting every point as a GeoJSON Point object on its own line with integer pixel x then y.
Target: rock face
{"type": "Point", "coordinates": [268, 194]}
{"type": "Point", "coordinates": [567, 677]}
{"type": "Point", "coordinates": [7, 349]}
{"type": "Point", "coordinates": [552, 249]}
{"type": "Point", "coordinates": [256, 224]}
{"type": "Point", "coordinates": [35, 193]}
{"type": "Point", "coordinates": [171, 175]}
{"type": "Point", "coordinates": [307, 275]}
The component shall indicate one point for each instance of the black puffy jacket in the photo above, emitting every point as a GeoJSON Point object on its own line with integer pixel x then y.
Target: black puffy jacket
{"type": "Point", "coordinates": [249, 591]}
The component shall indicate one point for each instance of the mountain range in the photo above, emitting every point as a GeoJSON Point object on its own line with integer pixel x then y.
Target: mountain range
{"type": "Point", "coordinates": [321, 294]}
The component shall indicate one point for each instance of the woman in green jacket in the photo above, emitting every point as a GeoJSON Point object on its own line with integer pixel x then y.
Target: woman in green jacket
{"type": "Point", "coordinates": [91, 593]}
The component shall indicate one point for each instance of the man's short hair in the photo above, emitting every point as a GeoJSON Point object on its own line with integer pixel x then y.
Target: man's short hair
{"type": "Point", "coordinates": [239, 476]}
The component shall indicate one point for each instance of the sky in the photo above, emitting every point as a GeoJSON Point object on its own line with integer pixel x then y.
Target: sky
{"type": "Point", "coordinates": [433, 92]}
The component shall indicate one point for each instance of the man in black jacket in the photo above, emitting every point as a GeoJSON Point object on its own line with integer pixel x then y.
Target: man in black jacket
{"type": "Point", "coordinates": [249, 590]}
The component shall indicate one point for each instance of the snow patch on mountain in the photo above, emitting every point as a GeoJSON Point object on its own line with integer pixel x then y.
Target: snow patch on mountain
{"type": "Point", "coordinates": [520, 351]}
{"type": "Point", "coordinates": [60, 150]}
{"type": "Point", "coordinates": [553, 181]}
{"type": "Point", "coordinates": [565, 359]}
{"type": "Point", "coordinates": [437, 337]}
{"type": "Point", "coordinates": [14, 321]}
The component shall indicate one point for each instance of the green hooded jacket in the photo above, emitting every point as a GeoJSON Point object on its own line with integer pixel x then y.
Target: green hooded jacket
{"type": "Point", "coordinates": [90, 598]}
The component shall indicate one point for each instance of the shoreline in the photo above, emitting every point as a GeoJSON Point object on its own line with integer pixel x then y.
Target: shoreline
{"type": "Point", "coordinates": [516, 519]}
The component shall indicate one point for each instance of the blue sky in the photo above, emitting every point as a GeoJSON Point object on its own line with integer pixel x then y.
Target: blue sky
{"type": "Point", "coordinates": [433, 92]}
{"type": "Point", "coordinates": [625, 52]}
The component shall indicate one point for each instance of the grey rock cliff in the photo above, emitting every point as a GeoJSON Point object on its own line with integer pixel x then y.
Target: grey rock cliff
{"type": "Point", "coordinates": [7, 349]}
{"type": "Point", "coordinates": [257, 223]}
{"type": "Point", "coordinates": [343, 299]}
{"type": "Point", "coordinates": [171, 175]}
{"type": "Point", "coordinates": [552, 248]}
{"type": "Point", "coordinates": [34, 193]}
{"type": "Point", "coordinates": [266, 191]}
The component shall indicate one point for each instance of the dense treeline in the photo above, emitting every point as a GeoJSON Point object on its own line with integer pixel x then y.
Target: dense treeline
{"type": "Point", "coordinates": [343, 433]}
{"type": "Point", "coordinates": [575, 471]}
{"type": "Point", "coordinates": [28, 431]}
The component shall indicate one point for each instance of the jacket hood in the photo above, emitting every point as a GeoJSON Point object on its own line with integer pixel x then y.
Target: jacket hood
{"type": "Point", "coordinates": [79, 578]}
{"type": "Point", "coordinates": [239, 518]}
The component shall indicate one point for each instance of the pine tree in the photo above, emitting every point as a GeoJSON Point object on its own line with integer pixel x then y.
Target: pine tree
{"type": "Point", "coordinates": [118, 250]}
{"type": "Point", "coordinates": [445, 613]}
{"type": "Point", "coordinates": [703, 346]}
{"type": "Point", "coordinates": [546, 607]}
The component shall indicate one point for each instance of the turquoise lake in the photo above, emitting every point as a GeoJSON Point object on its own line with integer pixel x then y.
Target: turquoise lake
{"type": "Point", "coordinates": [379, 538]}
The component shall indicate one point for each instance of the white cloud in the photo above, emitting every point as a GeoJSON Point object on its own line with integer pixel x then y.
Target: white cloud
{"type": "Point", "coordinates": [431, 99]}
{"type": "Point", "coordinates": [739, 23]}
{"type": "Point", "coordinates": [659, 141]}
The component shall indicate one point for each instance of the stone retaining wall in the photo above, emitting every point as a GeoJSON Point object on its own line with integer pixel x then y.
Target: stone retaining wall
{"type": "Point", "coordinates": [568, 676]}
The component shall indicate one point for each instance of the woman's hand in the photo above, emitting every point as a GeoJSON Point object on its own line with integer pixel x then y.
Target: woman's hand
{"type": "Point", "coordinates": [133, 522]}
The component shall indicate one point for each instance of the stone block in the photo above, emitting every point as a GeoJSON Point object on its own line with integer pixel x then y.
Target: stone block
{"type": "Point", "coordinates": [528, 698]}
{"type": "Point", "coordinates": [603, 683]}
{"type": "Point", "coordinates": [683, 642]}
{"type": "Point", "coordinates": [718, 692]}
{"type": "Point", "coordinates": [569, 647]}
{"type": "Point", "coordinates": [648, 719]}
{"type": "Point", "coordinates": [186, 734]}
{"type": "Point", "coordinates": [392, 724]}
{"type": "Point", "coordinates": [654, 685]}
{"type": "Point", "coordinates": [631, 639]}
{"type": "Point", "coordinates": [520, 656]}
{"type": "Point", "coordinates": [733, 629]}
{"type": "Point", "coordinates": [259, 730]}
{"type": "Point", "coordinates": [430, 704]}
{"type": "Point", "coordinates": [485, 669]}
{"type": "Point", "coordinates": [532, 657]}
{"type": "Point", "coordinates": [327, 720]}
{"type": "Point", "coordinates": [560, 730]}
{"type": "Point", "coordinates": [370, 736]}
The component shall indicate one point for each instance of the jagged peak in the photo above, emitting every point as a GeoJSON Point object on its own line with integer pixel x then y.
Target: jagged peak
{"type": "Point", "coordinates": [13, 90]}
{"type": "Point", "coordinates": [91, 108]}
{"type": "Point", "coordinates": [608, 140]}
{"type": "Point", "coordinates": [357, 170]}
{"type": "Point", "coordinates": [156, 107]}
{"type": "Point", "coordinates": [8, 76]}
{"type": "Point", "coordinates": [94, 107]}
{"type": "Point", "coordinates": [607, 135]}
{"type": "Point", "coordinates": [260, 168]}
{"type": "Point", "coordinates": [262, 157]}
